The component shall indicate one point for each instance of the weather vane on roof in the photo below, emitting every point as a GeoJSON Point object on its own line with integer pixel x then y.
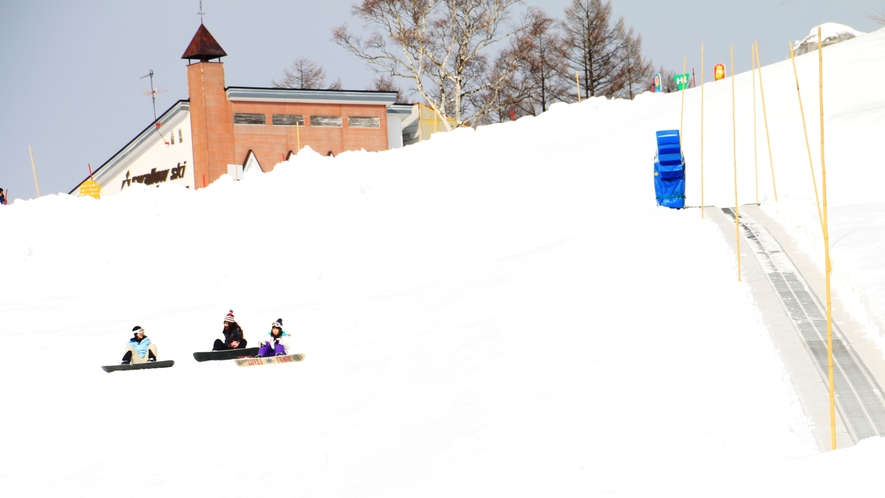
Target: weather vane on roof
{"type": "Point", "coordinates": [201, 13]}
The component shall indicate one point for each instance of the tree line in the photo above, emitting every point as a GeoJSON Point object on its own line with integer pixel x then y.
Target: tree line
{"type": "Point", "coordinates": [481, 61]}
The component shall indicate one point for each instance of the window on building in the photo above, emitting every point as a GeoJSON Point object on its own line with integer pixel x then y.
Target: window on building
{"type": "Point", "coordinates": [172, 137]}
{"type": "Point", "coordinates": [180, 140]}
{"type": "Point", "coordinates": [363, 122]}
{"type": "Point", "coordinates": [288, 120]}
{"type": "Point", "coordinates": [253, 119]}
{"type": "Point", "coordinates": [330, 121]}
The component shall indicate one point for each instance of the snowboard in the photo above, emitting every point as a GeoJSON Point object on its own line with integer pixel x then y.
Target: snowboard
{"type": "Point", "coordinates": [226, 354]}
{"type": "Point", "coordinates": [138, 366]}
{"type": "Point", "coordinates": [269, 360]}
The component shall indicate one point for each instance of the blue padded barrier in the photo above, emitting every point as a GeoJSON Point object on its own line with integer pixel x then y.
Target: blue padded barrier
{"type": "Point", "coordinates": [669, 168]}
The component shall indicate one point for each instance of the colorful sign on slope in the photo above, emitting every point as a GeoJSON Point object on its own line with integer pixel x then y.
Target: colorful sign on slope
{"type": "Point", "coordinates": [681, 81]}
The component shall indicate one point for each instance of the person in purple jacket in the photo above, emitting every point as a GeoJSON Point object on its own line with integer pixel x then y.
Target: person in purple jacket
{"type": "Point", "coordinates": [277, 342]}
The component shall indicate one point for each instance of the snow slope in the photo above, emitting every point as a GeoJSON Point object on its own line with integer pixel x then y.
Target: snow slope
{"type": "Point", "coordinates": [494, 312]}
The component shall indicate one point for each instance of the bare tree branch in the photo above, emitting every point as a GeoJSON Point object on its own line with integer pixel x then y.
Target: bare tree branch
{"type": "Point", "coordinates": [303, 74]}
{"type": "Point", "coordinates": [440, 45]}
{"type": "Point", "coordinates": [875, 15]}
{"type": "Point", "coordinates": [384, 83]}
{"type": "Point", "coordinates": [542, 77]}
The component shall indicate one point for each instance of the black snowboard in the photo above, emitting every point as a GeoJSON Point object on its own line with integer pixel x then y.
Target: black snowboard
{"type": "Point", "coordinates": [225, 354]}
{"type": "Point", "coordinates": [138, 366]}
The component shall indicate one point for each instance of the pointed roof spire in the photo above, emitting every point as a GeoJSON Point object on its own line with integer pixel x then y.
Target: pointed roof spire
{"type": "Point", "coordinates": [203, 46]}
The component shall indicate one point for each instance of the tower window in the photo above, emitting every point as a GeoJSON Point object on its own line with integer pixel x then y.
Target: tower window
{"type": "Point", "coordinates": [180, 140]}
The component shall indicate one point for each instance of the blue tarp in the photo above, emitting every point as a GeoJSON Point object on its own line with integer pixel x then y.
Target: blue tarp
{"type": "Point", "coordinates": [669, 170]}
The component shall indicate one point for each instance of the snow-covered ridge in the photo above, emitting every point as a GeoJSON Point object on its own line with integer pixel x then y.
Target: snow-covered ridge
{"type": "Point", "coordinates": [830, 33]}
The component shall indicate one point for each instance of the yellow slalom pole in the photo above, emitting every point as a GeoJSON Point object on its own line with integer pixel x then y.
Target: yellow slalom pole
{"type": "Point", "coordinates": [765, 115]}
{"type": "Point", "coordinates": [682, 112]}
{"type": "Point", "coordinates": [34, 169]}
{"type": "Point", "coordinates": [737, 231]}
{"type": "Point", "coordinates": [823, 169]}
{"type": "Point", "coordinates": [578, 84]}
{"type": "Point", "coordinates": [807, 145]}
{"type": "Point", "coordinates": [755, 153]}
{"type": "Point", "coordinates": [298, 136]}
{"type": "Point", "coordinates": [702, 131]}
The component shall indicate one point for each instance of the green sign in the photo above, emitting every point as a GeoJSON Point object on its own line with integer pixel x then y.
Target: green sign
{"type": "Point", "coordinates": [682, 81]}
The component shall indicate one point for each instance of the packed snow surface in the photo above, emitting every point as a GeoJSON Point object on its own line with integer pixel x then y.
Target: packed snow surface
{"type": "Point", "coordinates": [494, 312]}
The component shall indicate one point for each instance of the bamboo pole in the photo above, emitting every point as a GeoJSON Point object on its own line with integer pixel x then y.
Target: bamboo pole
{"type": "Point", "coordinates": [823, 169]}
{"type": "Point", "coordinates": [737, 231]}
{"type": "Point", "coordinates": [34, 169]}
{"type": "Point", "coordinates": [755, 152]}
{"type": "Point", "coordinates": [578, 84]}
{"type": "Point", "coordinates": [682, 112]}
{"type": "Point", "coordinates": [702, 131]}
{"type": "Point", "coordinates": [765, 115]}
{"type": "Point", "coordinates": [807, 145]}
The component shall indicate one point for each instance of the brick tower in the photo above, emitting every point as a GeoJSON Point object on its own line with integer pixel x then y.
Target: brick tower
{"type": "Point", "coordinates": [212, 129]}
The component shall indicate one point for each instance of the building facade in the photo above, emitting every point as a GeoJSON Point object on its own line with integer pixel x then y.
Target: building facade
{"type": "Point", "coordinates": [219, 129]}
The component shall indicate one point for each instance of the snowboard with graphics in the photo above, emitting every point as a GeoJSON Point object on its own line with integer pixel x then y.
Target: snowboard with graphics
{"type": "Point", "coordinates": [269, 360]}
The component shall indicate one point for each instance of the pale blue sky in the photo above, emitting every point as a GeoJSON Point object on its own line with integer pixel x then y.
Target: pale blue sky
{"type": "Point", "coordinates": [70, 71]}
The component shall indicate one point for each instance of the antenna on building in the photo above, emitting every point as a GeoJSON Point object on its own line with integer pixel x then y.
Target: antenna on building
{"type": "Point", "coordinates": [201, 13]}
{"type": "Point", "coordinates": [153, 93]}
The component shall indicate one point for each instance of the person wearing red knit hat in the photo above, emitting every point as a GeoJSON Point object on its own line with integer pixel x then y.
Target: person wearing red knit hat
{"type": "Point", "coordinates": [233, 335]}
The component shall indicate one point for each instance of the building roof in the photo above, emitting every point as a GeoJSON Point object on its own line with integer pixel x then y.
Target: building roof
{"type": "Point", "coordinates": [366, 97]}
{"type": "Point", "coordinates": [203, 46]}
{"type": "Point", "coordinates": [123, 157]}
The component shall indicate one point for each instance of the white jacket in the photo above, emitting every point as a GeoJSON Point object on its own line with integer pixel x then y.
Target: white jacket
{"type": "Point", "coordinates": [282, 339]}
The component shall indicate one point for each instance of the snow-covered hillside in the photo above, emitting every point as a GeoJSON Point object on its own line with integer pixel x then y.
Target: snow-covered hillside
{"type": "Point", "coordinates": [494, 312]}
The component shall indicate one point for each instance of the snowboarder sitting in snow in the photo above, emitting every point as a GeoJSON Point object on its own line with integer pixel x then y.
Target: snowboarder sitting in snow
{"type": "Point", "coordinates": [139, 349]}
{"type": "Point", "coordinates": [277, 343]}
{"type": "Point", "coordinates": [233, 335]}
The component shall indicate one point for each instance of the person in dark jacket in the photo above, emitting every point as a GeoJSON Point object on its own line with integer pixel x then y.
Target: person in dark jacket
{"type": "Point", "coordinates": [233, 335]}
{"type": "Point", "coordinates": [139, 349]}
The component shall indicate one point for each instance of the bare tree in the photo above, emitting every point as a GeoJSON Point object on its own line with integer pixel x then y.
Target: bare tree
{"type": "Point", "coordinates": [541, 64]}
{"type": "Point", "coordinates": [594, 46]}
{"type": "Point", "coordinates": [668, 80]}
{"type": "Point", "coordinates": [507, 100]}
{"type": "Point", "coordinates": [303, 74]}
{"type": "Point", "coordinates": [384, 83]}
{"type": "Point", "coordinates": [635, 71]}
{"type": "Point", "coordinates": [875, 15]}
{"type": "Point", "coordinates": [336, 85]}
{"type": "Point", "coordinates": [438, 44]}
